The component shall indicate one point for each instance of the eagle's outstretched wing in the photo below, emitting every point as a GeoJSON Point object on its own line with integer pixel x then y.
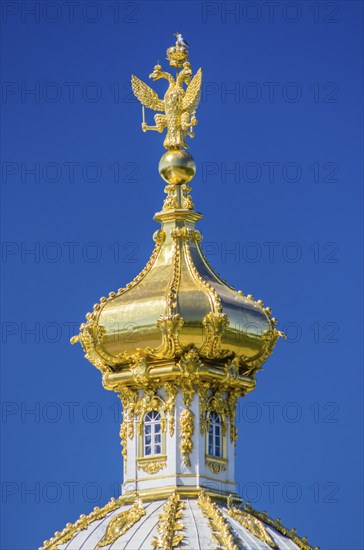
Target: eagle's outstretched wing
{"type": "Point", "coordinates": [148, 97]}
{"type": "Point", "coordinates": [191, 99]}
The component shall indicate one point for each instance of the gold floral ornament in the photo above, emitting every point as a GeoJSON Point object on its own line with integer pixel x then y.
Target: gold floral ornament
{"type": "Point", "coordinates": [179, 104]}
{"type": "Point", "coordinates": [170, 527]}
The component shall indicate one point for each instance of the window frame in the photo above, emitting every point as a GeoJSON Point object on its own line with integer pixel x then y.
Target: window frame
{"type": "Point", "coordinates": [152, 423]}
{"type": "Point", "coordinates": [145, 461]}
{"type": "Point", "coordinates": [216, 464]}
{"type": "Point", "coordinates": [215, 440]}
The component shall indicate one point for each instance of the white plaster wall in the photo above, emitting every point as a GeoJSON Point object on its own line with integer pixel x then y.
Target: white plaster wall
{"type": "Point", "coordinates": [175, 472]}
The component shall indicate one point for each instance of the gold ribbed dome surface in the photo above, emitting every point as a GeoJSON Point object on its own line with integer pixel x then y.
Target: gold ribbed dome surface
{"type": "Point", "coordinates": [179, 281]}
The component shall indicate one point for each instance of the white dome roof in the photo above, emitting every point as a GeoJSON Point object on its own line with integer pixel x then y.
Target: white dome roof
{"type": "Point", "coordinates": [191, 523]}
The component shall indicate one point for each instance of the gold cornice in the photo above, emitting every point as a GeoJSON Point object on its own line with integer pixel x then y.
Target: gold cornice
{"type": "Point", "coordinates": [177, 475]}
{"type": "Point", "coordinates": [177, 215]}
{"type": "Point", "coordinates": [185, 491]}
{"type": "Point", "coordinates": [167, 373]}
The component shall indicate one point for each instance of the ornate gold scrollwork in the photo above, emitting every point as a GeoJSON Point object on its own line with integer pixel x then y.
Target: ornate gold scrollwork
{"type": "Point", "coordinates": [91, 334]}
{"type": "Point", "coordinates": [139, 370]}
{"type": "Point", "coordinates": [218, 404]}
{"type": "Point", "coordinates": [171, 391]}
{"type": "Point", "coordinates": [216, 465]}
{"type": "Point", "coordinates": [187, 428]}
{"type": "Point", "coordinates": [203, 393]}
{"type": "Point", "coordinates": [215, 324]}
{"type": "Point", "coordinates": [169, 326]}
{"type": "Point", "coordinates": [252, 367]}
{"type": "Point", "coordinates": [159, 236]}
{"type": "Point", "coordinates": [186, 233]}
{"type": "Point", "coordinates": [171, 200]}
{"type": "Point", "coordinates": [170, 526]}
{"type": "Point", "coordinates": [190, 364]}
{"type": "Point", "coordinates": [121, 523]}
{"type": "Point", "coordinates": [129, 399]}
{"type": "Point", "coordinates": [152, 466]}
{"type": "Point", "coordinates": [187, 202]}
{"type": "Point", "coordinates": [232, 401]}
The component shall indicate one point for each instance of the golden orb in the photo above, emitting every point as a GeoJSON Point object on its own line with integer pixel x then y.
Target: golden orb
{"type": "Point", "coordinates": [177, 167]}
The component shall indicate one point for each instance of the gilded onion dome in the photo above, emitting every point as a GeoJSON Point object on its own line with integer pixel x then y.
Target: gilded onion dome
{"type": "Point", "coordinates": [179, 346]}
{"type": "Point", "coordinates": [178, 302]}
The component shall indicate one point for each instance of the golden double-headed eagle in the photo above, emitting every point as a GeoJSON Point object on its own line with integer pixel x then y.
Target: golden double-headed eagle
{"type": "Point", "coordinates": [180, 100]}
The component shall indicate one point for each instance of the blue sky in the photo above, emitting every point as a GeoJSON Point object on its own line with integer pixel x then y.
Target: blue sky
{"type": "Point", "coordinates": [278, 150]}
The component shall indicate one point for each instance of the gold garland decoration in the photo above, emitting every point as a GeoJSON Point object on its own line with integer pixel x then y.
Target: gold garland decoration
{"type": "Point", "coordinates": [221, 530]}
{"type": "Point", "coordinates": [170, 526]}
{"type": "Point", "coordinates": [187, 428]}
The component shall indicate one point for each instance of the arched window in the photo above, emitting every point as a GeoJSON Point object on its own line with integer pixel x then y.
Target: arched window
{"type": "Point", "coordinates": [152, 434]}
{"type": "Point", "coordinates": [215, 441]}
